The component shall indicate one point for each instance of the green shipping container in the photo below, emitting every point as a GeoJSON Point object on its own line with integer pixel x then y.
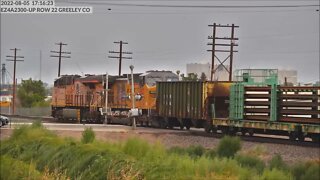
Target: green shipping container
{"type": "Point", "coordinates": [192, 99]}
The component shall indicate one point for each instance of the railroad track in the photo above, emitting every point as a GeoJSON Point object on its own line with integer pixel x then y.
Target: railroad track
{"type": "Point", "coordinates": [258, 138]}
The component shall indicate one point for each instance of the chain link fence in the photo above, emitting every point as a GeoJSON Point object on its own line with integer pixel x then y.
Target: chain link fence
{"type": "Point", "coordinates": [34, 111]}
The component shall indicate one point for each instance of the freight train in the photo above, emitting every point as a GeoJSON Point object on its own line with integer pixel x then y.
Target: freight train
{"type": "Point", "coordinates": [251, 104]}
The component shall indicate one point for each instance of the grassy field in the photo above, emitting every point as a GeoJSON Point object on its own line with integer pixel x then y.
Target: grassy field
{"type": "Point", "coordinates": [32, 152]}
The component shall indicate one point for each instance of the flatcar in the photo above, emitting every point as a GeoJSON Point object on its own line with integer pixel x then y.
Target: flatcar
{"type": "Point", "coordinates": [249, 105]}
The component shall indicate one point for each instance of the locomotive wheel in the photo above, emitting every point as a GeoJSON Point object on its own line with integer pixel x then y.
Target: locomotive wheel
{"type": "Point", "coordinates": [232, 132]}
{"type": "Point", "coordinates": [301, 137]}
{"type": "Point", "coordinates": [292, 136]}
{"type": "Point", "coordinates": [163, 124]}
{"type": "Point", "coordinates": [147, 124]}
{"type": "Point", "coordinates": [129, 123]}
{"type": "Point", "coordinates": [214, 130]}
{"type": "Point", "coordinates": [315, 139]}
{"type": "Point", "coordinates": [224, 130]}
{"type": "Point", "coordinates": [181, 124]}
{"type": "Point", "coordinates": [243, 132]}
{"type": "Point", "coordinates": [169, 123]}
{"type": "Point", "coordinates": [251, 133]}
{"type": "Point", "coordinates": [207, 127]}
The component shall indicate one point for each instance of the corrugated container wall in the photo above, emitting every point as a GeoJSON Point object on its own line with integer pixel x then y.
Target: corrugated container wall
{"type": "Point", "coordinates": [190, 99]}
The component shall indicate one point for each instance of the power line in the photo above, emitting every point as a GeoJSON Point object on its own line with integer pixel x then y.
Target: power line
{"type": "Point", "coordinates": [204, 12]}
{"type": "Point", "coordinates": [15, 60]}
{"type": "Point", "coordinates": [40, 65]}
{"type": "Point", "coordinates": [192, 6]}
{"type": "Point", "coordinates": [120, 57]}
{"type": "Point", "coordinates": [189, 0]}
{"type": "Point", "coordinates": [226, 43]}
{"type": "Point", "coordinates": [66, 1]}
{"type": "Point", "coordinates": [60, 55]}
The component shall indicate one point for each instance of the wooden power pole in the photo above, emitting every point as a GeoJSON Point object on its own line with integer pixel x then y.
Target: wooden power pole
{"type": "Point", "coordinates": [225, 45]}
{"type": "Point", "coordinates": [60, 55]}
{"type": "Point", "coordinates": [15, 59]}
{"type": "Point", "coordinates": [120, 57]}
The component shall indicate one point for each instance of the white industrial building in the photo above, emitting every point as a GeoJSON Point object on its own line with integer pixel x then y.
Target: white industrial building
{"type": "Point", "coordinates": [284, 75]}
{"type": "Point", "coordinates": [199, 68]}
{"type": "Point", "coordinates": [291, 76]}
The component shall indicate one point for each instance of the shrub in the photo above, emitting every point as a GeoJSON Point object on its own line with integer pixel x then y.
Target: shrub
{"type": "Point", "coordinates": [298, 170]}
{"type": "Point", "coordinates": [14, 169]}
{"type": "Point", "coordinates": [88, 136]}
{"type": "Point", "coordinates": [211, 153]}
{"type": "Point", "coordinates": [306, 171]}
{"type": "Point", "coordinates": [312, 173]}
{"type": "Point", "coordinates": [251, 162]}
{"type": "Point", "coordinates": [177, 150]}
{"type": "Point", "coordinates": [192, 151]}
{"type": "Point", "coordinates": [275, 174]}
{"type": "Point", "coordinates": [136, 147]}
{"type": "Point", "coordinates": [228, 146]}
{"type": "Point", "coordinates": [41, 104]}
{"type": "Point", "coordinates": [195, 151]}
{"type": "Point", "coordinates": [37, 124]}
{"type": "Point", "coordinates": [278, 163]}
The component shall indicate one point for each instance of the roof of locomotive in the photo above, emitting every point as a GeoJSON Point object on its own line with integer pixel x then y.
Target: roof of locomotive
{"type": "Point", "coordinates": [111, 78]}
{"type": "Point", "coordinates": [88, 78]}
{"type": "Point", "coordinates": [65, 80]}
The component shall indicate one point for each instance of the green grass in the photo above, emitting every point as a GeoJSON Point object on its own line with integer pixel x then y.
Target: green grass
{"type": "Point", "coordinates": [306, 171]}
{"type": "Point", "coordinates": [16, 169]}
{"type": "Point", "coordinates": [251, 162]}
{"type": "Point", "coordinates": [277, 163]}
{"type": "Point", "coordinates": [192, 151]}
{"type": "Point", "coordinates": [63, 158]}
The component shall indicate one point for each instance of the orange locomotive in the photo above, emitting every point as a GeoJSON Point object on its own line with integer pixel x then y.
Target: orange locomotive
{"type": "Point", "coordinates": [82, 99]}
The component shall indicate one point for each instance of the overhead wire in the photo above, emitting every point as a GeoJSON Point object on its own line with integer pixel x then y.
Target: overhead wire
{"type": "Point", "coordinates": [198, 0]}
{"type": "Point", "coordinates": [202, 12]}
{"type": "Point", "coordinates": [189, 6]}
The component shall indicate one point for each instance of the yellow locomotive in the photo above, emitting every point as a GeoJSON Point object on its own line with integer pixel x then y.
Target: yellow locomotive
{"type": "Point", "coordinates": [82, 99]}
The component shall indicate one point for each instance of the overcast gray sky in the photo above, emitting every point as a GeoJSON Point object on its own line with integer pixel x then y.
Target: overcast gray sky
{"type": "Point", "coordinates": [164, 38]}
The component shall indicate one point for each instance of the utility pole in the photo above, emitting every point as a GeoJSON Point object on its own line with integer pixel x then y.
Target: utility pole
{"type": "Point", "coordinates": [3, 74]}
{"type": "Point", "coordinates": [223, 42]}
{"type": "Point", "coordinates": [40, 73]}
{"type": "Point", "coordinates": [106, 99]}
{"type": "Point", "coordinates": [60, 55]}
{"type": "Point", "coordinates": [120, 57]}
{"type": "Point", "coordinates": [15, 59]}
{"type": "Point", "coordinates": [133, 99]}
